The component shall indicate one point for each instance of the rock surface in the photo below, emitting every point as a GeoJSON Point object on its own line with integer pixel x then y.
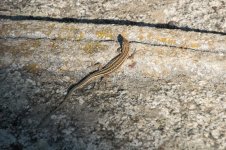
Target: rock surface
{"type": "Point", "coordinates": [171, 93]}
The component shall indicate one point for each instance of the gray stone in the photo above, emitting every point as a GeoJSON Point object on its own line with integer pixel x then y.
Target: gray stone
{"type": "Point", "coordinates": [169, 95]}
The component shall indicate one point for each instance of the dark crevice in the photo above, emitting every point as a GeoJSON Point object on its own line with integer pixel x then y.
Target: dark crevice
{"type": "Point", "coordinates": [180, 47]}
{"type": "Point", "coordinates": [136, 42]}
{"type": "Point", "coordinates": [47, 38]}
{"type": "Point", "coordinates": [25, 38]}
{"type": "Point", "coordinates": [54, 39]}
{"type": "Point", "coordinates": [108, 21]}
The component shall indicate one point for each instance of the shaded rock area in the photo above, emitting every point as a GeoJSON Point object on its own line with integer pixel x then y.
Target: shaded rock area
{"type": "Point", "coordinates": [170, 94]}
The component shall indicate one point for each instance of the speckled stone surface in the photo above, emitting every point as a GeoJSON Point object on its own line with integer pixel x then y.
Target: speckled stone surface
{"type": "Point", "coordinates": [170, 95]}
{"type": "Point", "coordinates": [206, 15]}
{"type": "Point", "coordinates": [209, 15]}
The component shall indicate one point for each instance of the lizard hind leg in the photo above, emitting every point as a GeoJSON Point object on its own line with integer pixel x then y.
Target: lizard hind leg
{"type": "Point", "coordinates": [99, 67]}
{"type": "Point", "coordinates": [103, 82]}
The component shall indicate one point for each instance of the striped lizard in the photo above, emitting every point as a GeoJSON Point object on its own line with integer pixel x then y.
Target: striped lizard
{"type": "Point", "coordinates": [112, 66]}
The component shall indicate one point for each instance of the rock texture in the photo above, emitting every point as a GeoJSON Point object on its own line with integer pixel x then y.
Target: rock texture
{"type": "Point", "coordinates": [170, 94]}
{"type": "Point", "coordinates": [206, 15]}
{"type": "Point", "coordinates": [196, 14]}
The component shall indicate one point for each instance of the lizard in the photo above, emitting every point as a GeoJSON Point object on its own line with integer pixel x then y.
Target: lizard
{"type": "Point", "coordinates": [112, 66]}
